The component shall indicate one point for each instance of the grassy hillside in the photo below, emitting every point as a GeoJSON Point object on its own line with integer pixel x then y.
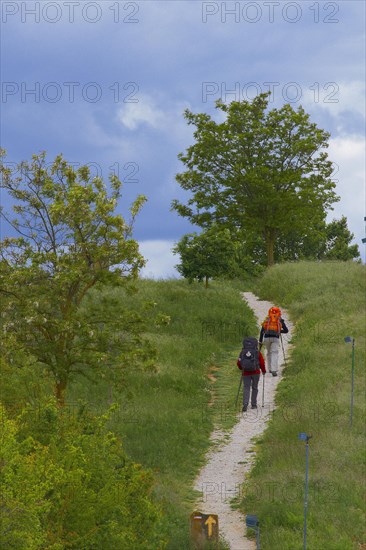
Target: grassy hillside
{"type": "Point", "coordinates": [166, 417]}
{"type": "Point", "coordinates": [327, 303]}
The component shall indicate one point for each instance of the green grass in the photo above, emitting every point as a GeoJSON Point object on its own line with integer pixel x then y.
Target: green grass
{"type": "Point", "coordinates": [327, 302]}
{"type": "Point", "coordinates": [166, 418]}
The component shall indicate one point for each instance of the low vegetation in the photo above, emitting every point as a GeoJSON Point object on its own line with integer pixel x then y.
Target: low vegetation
{"type": "Point", "coordinates": [161, 419]}
{"type": "Point", "coordinates": [327, 302]}
{"type": "Point", "coordinates": [166, 416]}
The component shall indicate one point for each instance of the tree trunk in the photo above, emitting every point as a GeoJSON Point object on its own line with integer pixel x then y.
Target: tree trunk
{"type": "Point", "coordinates": [270, 241]}
{"type": "Point", "coordinates": [60, 388]}
{"type": "Point", "coordinates": [206, 282]}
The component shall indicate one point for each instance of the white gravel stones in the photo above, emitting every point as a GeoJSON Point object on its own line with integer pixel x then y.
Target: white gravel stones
{"type": "Point", "coordinates": [221, 479]}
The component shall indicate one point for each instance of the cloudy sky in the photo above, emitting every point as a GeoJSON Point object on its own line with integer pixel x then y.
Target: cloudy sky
{"type": "Point", "coordinates": [106, 83]}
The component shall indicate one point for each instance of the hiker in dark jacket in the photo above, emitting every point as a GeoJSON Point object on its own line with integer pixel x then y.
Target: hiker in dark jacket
{"type": "Point", "coordinates": [251, 381]}
{"type": "Point", "coordinates": [272, 327]}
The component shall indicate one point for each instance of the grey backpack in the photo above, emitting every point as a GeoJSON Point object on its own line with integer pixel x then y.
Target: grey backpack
{"type": "Point", "coordinates": [249, 355]}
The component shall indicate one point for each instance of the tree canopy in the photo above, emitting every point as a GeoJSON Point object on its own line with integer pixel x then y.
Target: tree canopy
{"type": "Point", "coordinates": [207, 255]}
{"type": "Point", "coordinates": [324, 241]}
{"type": "Point", "coordinates": [69, 241]}
{"type": "Point", "coordinates": [338, 244]}
{"type": "Point", "coordinates": [259, 172]}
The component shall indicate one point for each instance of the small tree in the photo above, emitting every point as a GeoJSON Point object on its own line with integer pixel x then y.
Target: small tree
{"type": "Point", "coordinates": [205, 256]}
{"type": "Point", "coordinates": [70, 240]}
{"type": "Point", "coordinates": [338, 244]}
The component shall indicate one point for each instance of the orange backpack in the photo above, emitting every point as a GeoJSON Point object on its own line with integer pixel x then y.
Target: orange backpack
{"type": "Point", "coordinates": [272, 323]}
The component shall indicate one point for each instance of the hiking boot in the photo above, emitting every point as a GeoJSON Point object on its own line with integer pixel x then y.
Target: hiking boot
{"type": "Point", "coordinates": [254, 407]}
{"type": "Point", "coordinates": [274, 373]}
{"type": "Point", "coordinates": [244, 409]}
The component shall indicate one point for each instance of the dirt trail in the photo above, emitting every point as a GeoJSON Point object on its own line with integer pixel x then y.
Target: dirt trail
{"type": "Point", "coordinates": [230, 458]}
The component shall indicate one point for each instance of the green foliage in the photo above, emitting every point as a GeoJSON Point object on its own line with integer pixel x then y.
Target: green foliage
{"type": "Point", "coordinates": [166, 417]}
{"type": "Point", "coordinates": [207, 255]}
{"type": "Point", "coordinates": [70, 241]}
{"type": "Point", "coordinates": [67, 483]}
{"type": "Point", "coordinates": [327, 302]}
{"type": "Point", "coordinates": [339, 238]}
{"type": "Point", "coordinates": [324, 241]}
{"type": "Point", "coordinates": [259, 172]}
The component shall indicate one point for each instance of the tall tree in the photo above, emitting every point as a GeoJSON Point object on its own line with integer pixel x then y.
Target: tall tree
{"type": "Point", "coordinates": [70, 240]}
{"type": "Point", "coordinates": [262, 172]}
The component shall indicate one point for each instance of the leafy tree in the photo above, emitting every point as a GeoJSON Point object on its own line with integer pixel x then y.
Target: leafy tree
{"type": "Point", "coordinates": [205, 256]}
{"type": "Point", "coordinates": [261, 172]}
{"type": "Point", "coordinates": [324, 241]}
{"type": "Point", "coordinates": [296, 246]}
{"type": "Point", "coordinates": [248, 257]}
{"type": "Point", "coordinates": [70, 241]}
{"type": "Point", "coordinates": [338, 245]}
{"type": "Point", "coordinates": [66, 482]}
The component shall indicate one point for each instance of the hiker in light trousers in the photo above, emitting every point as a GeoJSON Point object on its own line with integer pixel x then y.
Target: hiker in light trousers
{"type": "Point", "coordinates": [272, 328]}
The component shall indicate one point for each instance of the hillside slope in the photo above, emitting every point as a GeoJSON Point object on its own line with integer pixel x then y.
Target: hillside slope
{"type": "Point", "coordinates": [327, 302]}
{"type": "Point", "coordinates": [221, 479]}
{"type": "Point", "coordinates": [166, 416]}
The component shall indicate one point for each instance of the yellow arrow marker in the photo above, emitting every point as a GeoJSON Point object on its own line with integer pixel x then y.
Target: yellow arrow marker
{"type": "Point", "coordinates": [210, 521]}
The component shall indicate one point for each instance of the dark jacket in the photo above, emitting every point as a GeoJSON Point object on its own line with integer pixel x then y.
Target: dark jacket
{"type": "Point", "coordinates": [284, 330]}
{"type": "Point", "coordinates": [258, 371]}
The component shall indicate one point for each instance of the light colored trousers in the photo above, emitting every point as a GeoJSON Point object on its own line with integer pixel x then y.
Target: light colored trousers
{"type": "Point", "coordinates": [272, 346]}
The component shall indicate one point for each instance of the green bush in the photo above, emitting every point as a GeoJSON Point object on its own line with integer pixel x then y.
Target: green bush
{"type": "Point", "coordinates": [66, 483]}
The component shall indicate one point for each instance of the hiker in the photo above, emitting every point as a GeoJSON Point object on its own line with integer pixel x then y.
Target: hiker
{"type": "Point", "coordinates": [251, 363]}
{"type": "Point", "coordinates": [272, 327]}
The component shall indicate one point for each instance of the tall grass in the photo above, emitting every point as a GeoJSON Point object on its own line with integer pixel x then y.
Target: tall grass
{"type": "Point", "coordinates": [166, 417]}
{"type": "Point", "coordinates": [327, 302]}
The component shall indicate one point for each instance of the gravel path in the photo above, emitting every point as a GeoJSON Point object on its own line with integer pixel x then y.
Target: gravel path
{"type": "Point", "coordinates": [230, 459]}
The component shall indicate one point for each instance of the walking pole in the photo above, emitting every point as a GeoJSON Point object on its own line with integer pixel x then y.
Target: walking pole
{"type": "Point", "coordinates": [283, 350]}
{"type": "Point", "coordinates": [347, 340]}
{"type": "Point", "coordinates": [263, 391]}
{"type": "Point", "coordinates": [306, 490]}
{"type": "Point", "coordinates": [237, 395]}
